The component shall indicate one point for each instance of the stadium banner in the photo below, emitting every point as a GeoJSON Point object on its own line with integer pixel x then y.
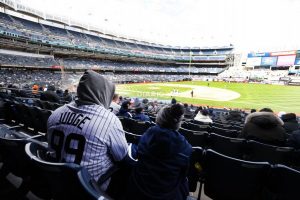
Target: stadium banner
{"type": "Point", "coordinates": [252, 55]}
{"type": "Point", "coordinates": [255, 61]}
{"type": "Point", "coordinates": [269, 61]}
{"type": "Point", "coordinates": [286, 60]}
{"type": "Point", "coordinates": [297, 61]}
{"type": "Point", "coordinates": [284, 53]}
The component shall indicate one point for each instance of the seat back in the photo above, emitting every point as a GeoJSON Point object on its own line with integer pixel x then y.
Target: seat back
{"type": "Point", "coordinates": [195, 127]}
{"type": "Point", "coordinates": [195, 138]}
{"type": "Point", "coordinates": [195, 169]}
{"type": "Point", "coordinates": [233, 147]}
{"type": "Point", "coordinates": [257, 151]}
{"type": "Point", "coordinates": [224, 132]}
{"type": "Point", "coordinates": [283, 183]}
{"type": "Point", "coordinates": [13, 154]}
{"type": "Point", "coordinates": [63, 178]}
{"type": "Point", "coordinates": [234, 179]}
{"type": "Point", "coordinates": [132, 138]}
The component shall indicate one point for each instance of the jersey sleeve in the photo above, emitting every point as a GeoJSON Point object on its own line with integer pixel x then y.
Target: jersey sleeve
{"type": "Point", "coordinates": [118, 145]}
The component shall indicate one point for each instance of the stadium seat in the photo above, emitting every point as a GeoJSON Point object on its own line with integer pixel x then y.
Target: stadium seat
{"type": "Point", "coordinates": [283, 183]}
{"type": "Point", "coordinates": [134, 126]}
{"type": "Point", "coordinates": [15, 161]}
{"type": "Point", "coordinates": [224, 132]}
{"type": "Point", "coordinates": [195, 127]}
{"type": "Point", "coordinates": [259, 152]}
{"type": "Point", "coordinates": [233, 147]}
{"type": "Point", "coordinates": [132, 138]}
{"type": "Point", "coordinates": [195, 169]}
{"type": "Point", "coordinates": [199, 122]}
{"type": "Point", "coordinates": [228, 178]}
{"type": "Point", "coordinates": [66, 180]}
{"type": "Point", "coordinates": [195, 138]}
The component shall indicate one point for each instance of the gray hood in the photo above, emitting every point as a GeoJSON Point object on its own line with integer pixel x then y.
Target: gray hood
{"type": "Point", "coordinates": [94, 89]}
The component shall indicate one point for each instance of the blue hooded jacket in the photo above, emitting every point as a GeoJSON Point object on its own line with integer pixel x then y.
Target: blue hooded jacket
{"type": "Point", "coordinates": [163, 160]}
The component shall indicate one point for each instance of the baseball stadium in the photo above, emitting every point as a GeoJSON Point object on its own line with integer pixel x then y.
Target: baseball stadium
{"type": "Point", "coordinates": [149, 100]}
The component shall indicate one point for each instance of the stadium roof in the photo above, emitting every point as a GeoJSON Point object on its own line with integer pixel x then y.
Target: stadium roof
{"type": "Point", "coordinates": [251, 25]}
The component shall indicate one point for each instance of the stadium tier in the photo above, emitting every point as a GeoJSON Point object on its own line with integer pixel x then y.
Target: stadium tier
{"type": "Point", "coordinates": [57, 39]}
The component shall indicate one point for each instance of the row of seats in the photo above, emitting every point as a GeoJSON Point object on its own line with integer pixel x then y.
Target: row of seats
{"type": "Point", "coordinates": [229, 178]}
{"type": "Point", "coordinates": [31, 118]}
{"type": "Point", "coordinates": [26, 158]}
{"type": "Point", "coordinates": [236, 147]}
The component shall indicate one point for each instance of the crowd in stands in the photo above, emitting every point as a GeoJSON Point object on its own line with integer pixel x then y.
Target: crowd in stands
{"type": "Point", "coordinates": [17, 27]}
{"type": "Point", "coordinates": [160, 160]}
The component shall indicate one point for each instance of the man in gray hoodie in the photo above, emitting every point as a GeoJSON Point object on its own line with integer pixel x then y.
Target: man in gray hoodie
{"type": "Point", "coordinates": [85, 131]}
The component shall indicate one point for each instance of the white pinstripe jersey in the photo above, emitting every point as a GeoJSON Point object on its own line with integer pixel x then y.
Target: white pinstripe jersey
{"type": "Point", "coordinates": [90, 127]}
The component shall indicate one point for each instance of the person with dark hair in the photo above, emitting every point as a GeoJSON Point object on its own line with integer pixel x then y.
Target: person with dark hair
{"type": "Point", "coordinates": [163, 160]}
{"type": "Point", "coordinates": [67, 96]}
{"type": "Point", "coordinates": [139, 115]}
{"type": "Point", "coordinates": [294, 140]}
{"type": "Point", "coordinates": [252, 110]}
{"type": "Point", "coordinates": [187, 111]}
{"type": "Point", "coordinates": [124, 110]}
{"type": "Point", "coordinates": [203, 116]}
{"type": "Point", "coordinates": [264, 127]}
{"type": "Point", "coordinates": [93, 135]}
{"type": "Point", "coordinates": [173, 101]}
{"type": "Point", "coordinates": [50, 95]}
{"type": "Point", "coordinates": [266, 110]}
{"type": "Point", "coordinates": [290, 122]}
{"type": "Point", "coordinates": [234, 115]}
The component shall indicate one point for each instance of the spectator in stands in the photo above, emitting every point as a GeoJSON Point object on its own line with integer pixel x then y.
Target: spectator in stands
{"type": "Point", "coordinates": [203, 116]}
{"type": "Point", "coordinates": [124, 110]}
{"type": "Point", "coordinates": [153, 107]}
{"type": "Point", "coordinates": [252, 110]}
{"type": "Point", "coordinates": [290, 122]}
{"type": "Point", "coordinates": [35, 89]}
{"type": "Point", "coordinates": [97, 132]}
{"type": "Point", "coordinates": [114, 106]}
{"type": "Point", "coordinates": [264, 126]}
{"type": "Point", "coordinates": [50, 95]}
{"type": "Point", "coordinates": [139, 115]}
{"type": "Point", "coordinates": [294, 140]}
{"type": "Point", "coordinates": [187, 111]}
{"type": "Point", "coordinates": [163, 160]}
{"type": "Point", "coordinates": [234, 115]}
{"type": "Point", "coordinates": [67, 96]}
{"type": "Point", "coordinates": [59, 93]}
{"type": "Point", "coordinates": [173, 101]}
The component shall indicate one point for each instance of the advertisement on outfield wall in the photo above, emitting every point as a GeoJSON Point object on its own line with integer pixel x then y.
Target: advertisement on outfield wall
{"type": "Point", "coordinates": [284, 53]}
{"type": "Point", "coordinates": [255, 61]}
{"type": "Point", "coordinates": [252, 55]}
{"type": "Point", "coordinates": [297, 61]}
{"type": "Point", "coordinates": [269, 61]}
{"type": "Point", "coordinates": [286, 60]}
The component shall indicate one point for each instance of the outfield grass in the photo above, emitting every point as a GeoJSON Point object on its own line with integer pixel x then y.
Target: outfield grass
{"type": "Point", "coordinates": [277, 97]}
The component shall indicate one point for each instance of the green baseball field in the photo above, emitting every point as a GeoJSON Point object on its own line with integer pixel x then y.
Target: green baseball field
{"type": "Point", "coordinates": [220, 94]}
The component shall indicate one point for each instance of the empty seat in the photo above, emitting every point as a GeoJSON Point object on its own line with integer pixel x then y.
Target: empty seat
{"type": "Point", "coordinates": [283, 183]}
{"type": "Point", "coordinates": [132, 138]}
{"type": "Point", "coordinates": [257, 151]}
{"type": "Point", "coordinates": [194, 127]}
{"type": "Point", "coordinates": [228, 178]}
{"type": "Point", "coordinates": [224, 132]}
{"type": "Point", "coordinates": [233, 147]}
{"type": "Point", "coordinates": [195, 138]}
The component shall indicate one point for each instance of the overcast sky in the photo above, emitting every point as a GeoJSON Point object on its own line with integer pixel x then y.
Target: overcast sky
{"type": "Point", "coordinates": [250, 25]}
